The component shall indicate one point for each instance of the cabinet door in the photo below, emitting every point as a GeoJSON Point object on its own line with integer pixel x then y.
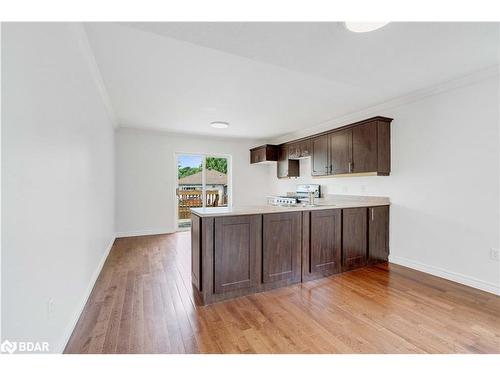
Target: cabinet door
{"type": "Point", "coordinates": [364, 148]}
{"type": "Point", "coordinates": [281, 247]}
{"type": "Point", "coordinates": [237, 243]}
{"type": "Point", "coordinates": [325, 242]}
{"type": "Point", "coordinates": [378, 234]}
{"type": "Point", "coordinates": [257, 155]}
{"type": "Point", "coordinates": [305, 148]}
{"type": "Point", "coordinates": [354, 238]}
{"type": "Point", "coordinates": [319, 152]}
{"type": "Point", "coordinates": [300, 149]}
{"type": "Point", "coordinates": [341, 152]}
{"type": "Point", "coordinates": [294, 150]}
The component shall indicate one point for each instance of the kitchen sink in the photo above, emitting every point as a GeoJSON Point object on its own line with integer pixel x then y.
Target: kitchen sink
{"type": "Point", "coordinates": [320, 205]}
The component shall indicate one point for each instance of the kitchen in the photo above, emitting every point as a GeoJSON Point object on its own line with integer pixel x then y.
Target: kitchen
{"type": "Point", "coordinates": [240, 250]}
{"type": "Point", "coordinates": [251, 188]}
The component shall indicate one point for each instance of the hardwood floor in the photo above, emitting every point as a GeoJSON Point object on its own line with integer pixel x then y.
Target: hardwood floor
{"type": "Point", "coordinates": [143, 303]}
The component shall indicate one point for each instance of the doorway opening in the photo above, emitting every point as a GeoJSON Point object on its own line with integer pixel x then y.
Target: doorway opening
{"type": "Point", "coordinates": [203, 180]}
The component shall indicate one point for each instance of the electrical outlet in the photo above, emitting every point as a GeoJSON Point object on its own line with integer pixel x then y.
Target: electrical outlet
{"type": "Point", "coordinates": [494, 254]}
{"type": "Point", "coordinates": [50, 308]}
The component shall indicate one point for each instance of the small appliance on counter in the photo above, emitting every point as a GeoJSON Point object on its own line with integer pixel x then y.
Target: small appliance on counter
{"type": "Point", "coordinates": [303, 194]}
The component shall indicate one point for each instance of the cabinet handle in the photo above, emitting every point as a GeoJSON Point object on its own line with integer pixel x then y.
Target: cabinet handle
{"type": "Point", "coordinates": [350, 167]}
{"type": "Point", "coordinates": [372, 215]}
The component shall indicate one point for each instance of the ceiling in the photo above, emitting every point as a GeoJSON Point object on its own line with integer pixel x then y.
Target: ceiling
{"type": "Point", "coordinates": [269, 79]}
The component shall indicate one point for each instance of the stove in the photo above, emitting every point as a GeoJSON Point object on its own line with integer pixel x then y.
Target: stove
{"type": "Point", "coordinates": [282, 201]}
{"type": "Point", "coordinates": [301, 195]}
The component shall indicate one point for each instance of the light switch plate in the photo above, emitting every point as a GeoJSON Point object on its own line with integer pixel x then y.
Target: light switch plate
{"type": "Point", "coordinates": [494, 254]}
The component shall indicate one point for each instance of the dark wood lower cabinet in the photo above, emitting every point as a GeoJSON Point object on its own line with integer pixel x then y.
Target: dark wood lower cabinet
{"type": "Point", "coordinates": [354, 238]}
{"type": "Point", "coordinates": [232, 256]}
{"type": "Point", "coordinates": [237, 244]}
{"type": "Point", "coordinates": [195, 251]}
{"type": "Point", "coordinates": [321, 243]}
{"type": "Point", "coordinates": [281, 248]}
{"type": "Point", "coordinates": [378, 234]}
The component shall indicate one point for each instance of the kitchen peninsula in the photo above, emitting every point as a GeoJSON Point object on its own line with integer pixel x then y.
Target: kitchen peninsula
{"type": "Point", "coordinates": [243, 250]}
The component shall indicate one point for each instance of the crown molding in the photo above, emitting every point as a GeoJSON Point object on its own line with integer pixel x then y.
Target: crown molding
{"type": "Point", "coordinates": [81, 34]}
{"type": "Point", "coordinates": [192, 135]}
{"type": "Point", "coordinates": [384, 107]}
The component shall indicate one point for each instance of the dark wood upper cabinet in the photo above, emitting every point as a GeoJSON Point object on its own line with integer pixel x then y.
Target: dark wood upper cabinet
{"type": "Point", "coordinates": [238, 241]}
{"type": "Point", "coordinates": [364, 148]}
{"type": "Point", "coordinates": [341, 152]}
{"type": "Point", "coordinates": [378, 234]}
{"type": "Point", "coordinates": [305, 148]}
{"type": "Point", "coordinates": [294, 150]}
{"type": "Point", "coordinates": [263, 153]}
{"type": "Point", "coordinates": [300, 149]}
{"type": "Point", "coordinates": [384, 147]}
{"type": "Point", "coordinates": [354, 238]}
{"type": "Point", "coordinates": [286, 167]}
{"type": "Point", "coordinates": [320, 165]}
{"type": "Point", "coordinates": [281, 247]}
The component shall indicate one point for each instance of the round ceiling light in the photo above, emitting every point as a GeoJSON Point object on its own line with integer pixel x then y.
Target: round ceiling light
{"type": "Point", "coordinates": [219, 124]}
{"type": "Point", "coordinates": [364, 27]}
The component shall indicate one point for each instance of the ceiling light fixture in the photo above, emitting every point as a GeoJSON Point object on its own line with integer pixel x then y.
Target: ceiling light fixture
{"type": "Point", "coordinates": [364, 27]}
{"type": "Point", "coordinates": [219, 124]}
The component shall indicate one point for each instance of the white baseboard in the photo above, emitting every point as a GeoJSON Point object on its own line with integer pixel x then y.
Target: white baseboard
{"type": "Point", "coordinates": [148, 232]}
{"type": "Point", "coordinates": [436, 271]}
{"type": "Point", "coordinates": [85, 297]}
{"type": "Point", "coordinates": [453, 276]}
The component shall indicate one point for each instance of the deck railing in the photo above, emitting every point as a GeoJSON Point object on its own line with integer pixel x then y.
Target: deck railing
{"type": "Point", "coordinates": [193, 198]}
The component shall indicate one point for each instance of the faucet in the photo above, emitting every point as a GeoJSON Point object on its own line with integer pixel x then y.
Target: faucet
{"type": "Point", "coordinates": [311, 198]}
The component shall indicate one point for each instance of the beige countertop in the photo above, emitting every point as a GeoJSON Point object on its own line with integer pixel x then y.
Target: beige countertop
{"type": "Point", "coordinates": [331, 201]}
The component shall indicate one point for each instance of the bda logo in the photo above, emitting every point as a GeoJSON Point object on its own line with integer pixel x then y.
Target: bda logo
{"type": "Point", "coordinates": [8, 347]}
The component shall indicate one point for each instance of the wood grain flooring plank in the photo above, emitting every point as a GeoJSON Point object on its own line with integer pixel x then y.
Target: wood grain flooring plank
{"type": "Point", "coordinates": [143, 302]}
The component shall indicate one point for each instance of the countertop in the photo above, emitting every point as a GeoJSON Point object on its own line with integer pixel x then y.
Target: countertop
{"type": "Point", "coordinates": [331, 201]}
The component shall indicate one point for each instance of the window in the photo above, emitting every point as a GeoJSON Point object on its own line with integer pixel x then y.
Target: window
{"type": "Point", "coordinates": [202, 181]}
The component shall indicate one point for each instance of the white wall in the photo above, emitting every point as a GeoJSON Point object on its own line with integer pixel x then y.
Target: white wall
{"type": "Point", "coordinates": [57, 181]}
{"type": "Point", "coordinates": [146, 170]}
{"type": "Point", "coordinates": [444, 184]}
